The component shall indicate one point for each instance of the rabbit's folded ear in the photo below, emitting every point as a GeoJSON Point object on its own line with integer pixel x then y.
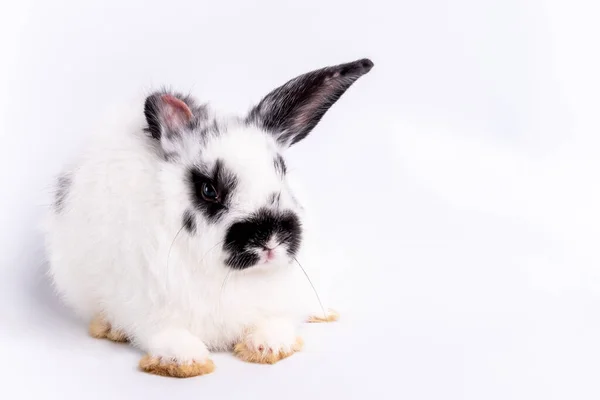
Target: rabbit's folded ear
{"type": "Point", "coordinates": [291, 111]}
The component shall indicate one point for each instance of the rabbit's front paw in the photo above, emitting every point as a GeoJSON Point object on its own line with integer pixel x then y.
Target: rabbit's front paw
{"type": "Point", "coordinates": [176, 353]}
{"type": "Point", "coordinates": [269, 343]}
{"type": "Point", "coordinates": [174, 368]}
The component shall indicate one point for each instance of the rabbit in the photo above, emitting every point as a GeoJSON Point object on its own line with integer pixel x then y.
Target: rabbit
{"type": "Point", "coordinates": [177, 229]}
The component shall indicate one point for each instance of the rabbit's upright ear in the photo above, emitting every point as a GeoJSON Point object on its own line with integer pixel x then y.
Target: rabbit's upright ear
{"type": "Point", "coordinates": [291, 111]}
{"type": "Point", "coordinates": [169, 116]}
{"type": "Point", "coordinates": [166, 115]}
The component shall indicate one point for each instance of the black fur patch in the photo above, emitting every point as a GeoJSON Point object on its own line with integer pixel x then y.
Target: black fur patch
{"type": "Point", "coordinates": [279, 164]}
{"type": "Point", "coordinates": [248, 236]}
{"type": "Point", "coordinates": [291, 111]}
{"type": "Point", "coordinates": [223, 180]}
{"type": "Point", "coordinates": [151, 114]}
{"type": "Point", "coordinates": [189, 223]}
{"type": "Point", "coordinates": [62, 191]}
{"type": "Point", "coordinates": [242, 260]}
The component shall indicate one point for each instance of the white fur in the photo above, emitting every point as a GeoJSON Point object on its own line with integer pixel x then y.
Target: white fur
{"type": "Point", "coordinates": [114, 248]}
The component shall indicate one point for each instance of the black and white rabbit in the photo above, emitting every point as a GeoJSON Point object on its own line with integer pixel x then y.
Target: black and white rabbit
{"type": "Point", "coordinates": [177, 229]}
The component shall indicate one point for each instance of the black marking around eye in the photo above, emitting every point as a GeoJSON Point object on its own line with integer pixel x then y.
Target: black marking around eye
{"type": "Point", "coordinates": [62, 191]}
{"type": "Point", "coordinates": [279, 164]}
{"type": "Point", "coordinates": [189, 223]}
{"type": "Point", "coordinates": [223, 180]}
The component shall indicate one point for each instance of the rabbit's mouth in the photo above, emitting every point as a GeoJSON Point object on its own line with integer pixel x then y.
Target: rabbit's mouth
{"type": "Point", "coordinates": [272, 251]}
{"type": "Point", "coordinates": [263, 238]}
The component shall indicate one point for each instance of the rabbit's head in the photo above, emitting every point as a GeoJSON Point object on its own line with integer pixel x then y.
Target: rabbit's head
{"type": "Point", "coordinates": [231, 172]}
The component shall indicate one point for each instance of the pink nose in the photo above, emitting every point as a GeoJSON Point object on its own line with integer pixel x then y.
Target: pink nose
{"type": "Point", "coordinates": [270, 254]}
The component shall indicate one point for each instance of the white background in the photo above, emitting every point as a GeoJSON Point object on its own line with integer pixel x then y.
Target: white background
{"type": "Point", "coordinates": [457, 182]}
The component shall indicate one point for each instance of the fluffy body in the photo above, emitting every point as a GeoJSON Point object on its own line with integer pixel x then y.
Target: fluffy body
{"type": "Point", "coordinates": [118, 248]}
{"type": "Point", "coordinates": [179, 230]}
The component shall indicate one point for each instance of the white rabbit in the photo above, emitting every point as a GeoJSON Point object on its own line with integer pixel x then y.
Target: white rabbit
{"type": "Point", "coordinates": [177, 230]}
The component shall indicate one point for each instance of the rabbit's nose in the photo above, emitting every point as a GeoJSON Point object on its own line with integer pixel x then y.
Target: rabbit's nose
{"type": "Point", "coordinates": [269, 254]}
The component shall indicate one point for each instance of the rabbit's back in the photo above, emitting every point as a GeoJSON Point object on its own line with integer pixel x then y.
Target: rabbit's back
{"type": "Point", "coordinates": [99, 230]}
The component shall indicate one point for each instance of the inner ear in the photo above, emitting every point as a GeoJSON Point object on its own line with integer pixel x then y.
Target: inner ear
{"type": "Point", "coordinates": [176, 112]}
{"type": "Point", "coordinates": [290, 112]}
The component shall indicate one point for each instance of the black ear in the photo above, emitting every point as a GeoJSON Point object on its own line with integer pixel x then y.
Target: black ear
{"type": "Point", "coordinates": [291, 111]}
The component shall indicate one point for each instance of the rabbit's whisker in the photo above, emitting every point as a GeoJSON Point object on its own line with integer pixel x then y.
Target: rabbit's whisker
{"type": "Point", "coordinates": [172, 243]}
{"type": "Point", "coordinates": [313, 287]}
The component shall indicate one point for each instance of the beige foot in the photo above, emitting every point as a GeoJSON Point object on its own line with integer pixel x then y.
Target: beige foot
{"type": "Point", "coordinates": [331, 316]}
{"type": "Point", "coordinates": [265, 355]}
{"type": "Point", "coordinates": [101, 329]}
{"type": "Point", "coordinates": [157, 366]}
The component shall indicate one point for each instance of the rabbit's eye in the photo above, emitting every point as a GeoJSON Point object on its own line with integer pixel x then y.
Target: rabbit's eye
{"type": "Point", "coordinates": [209, 193]}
